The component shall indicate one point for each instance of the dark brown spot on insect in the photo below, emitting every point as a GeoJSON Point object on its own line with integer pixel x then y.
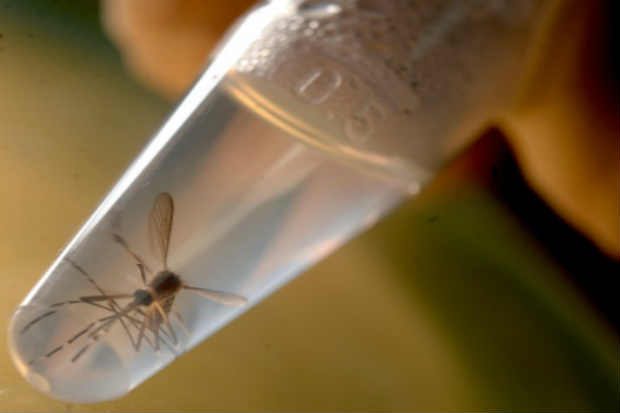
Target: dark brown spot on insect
{"type": "Point", "coordinates": [165, 284]}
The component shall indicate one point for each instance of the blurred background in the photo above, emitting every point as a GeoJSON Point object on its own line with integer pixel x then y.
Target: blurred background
{"type": "Point", "coordinates": [477, 295]}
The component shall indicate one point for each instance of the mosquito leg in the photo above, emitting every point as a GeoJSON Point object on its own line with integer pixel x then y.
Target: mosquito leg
{"type": "Point", "coordinates": [155, 327]}
{"type": "Point", "coordinates": [177, 315]}
{"type": "Point", "coordinates": [141, 264]}
{"type": "Point", "coordinates": [164, 317]}
{"type": "Point", "coordinates": [105, 327]}
{"type": "Point", "coordinates": [134, 321]}
{"type": "Point", "coordinates": [129, 335]}
{"type": "Point", "coordinates": [56, 305]}
{"type": "Point", "coordinates": [102, 297]}
{"type": "Point", "coordinates": [146, 321]}
{"type": "Point", "coordinates": [141, 332]}
{"type": "Point", "coordinates": [137, 324]}
{"type": "Point", "coordinates": [110, 320]}
{"type": "Point", "coordinates": [150, 323]}
{"type": "Point", "coordinates": [105, 324]}
{"type": "Point", "coordinates": [95, 336]}
{"type": "Point", "coordinates": [155, 330]}
{"type": "Point", "coordinates": [140, 326]}
{"type": "Point", "coordinates": [70, 341]}
{"type": "Point", "coordinates": [81, 332]}
{"type": "Point", "coordinates": [82, 300]}
{"type": "Point", "coordinates": [90, 279]}
{"type": "Point", "coordinates": [79, 301]}
{"type": "Point", "coordinates": [36, 320]}
{"type": "Point", "coordinates": [170, 347]}
{"type": "Point", "coordinates": [86, 275]}
{"type": "Point", "coordinates": [54, 351]}
{"type": "Point", "coordinates": [111, 300]}
{"type": "Point", "coordinates": [80, 353]}
{"type": "Point", "coordinates": [142, 274]}
{"type": "Point", "coordinates": [93, 299]}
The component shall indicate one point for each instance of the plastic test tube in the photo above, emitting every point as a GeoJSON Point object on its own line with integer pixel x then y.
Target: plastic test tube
{"type": "Point", "coordinates": [313, 119]}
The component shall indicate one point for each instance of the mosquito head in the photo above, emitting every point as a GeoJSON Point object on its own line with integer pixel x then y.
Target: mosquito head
{"type": "Point", "coordinates": [142, 297]}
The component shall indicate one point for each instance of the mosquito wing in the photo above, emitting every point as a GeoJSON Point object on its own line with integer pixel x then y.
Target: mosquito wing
{"type": "Point", "coordinates": [160, 225]}
{"type": "Point", "coordinates": [218, 296]}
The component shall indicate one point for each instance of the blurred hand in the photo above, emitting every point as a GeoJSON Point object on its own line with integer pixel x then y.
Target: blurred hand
{"type": "Point", "coordinates": [564, 130]}
{"type": "Point", "coordinates": [166, 42]}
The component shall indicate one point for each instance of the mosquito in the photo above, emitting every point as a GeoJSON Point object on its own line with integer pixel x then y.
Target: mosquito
{"type": "Point", "coordinates": [150, 307]}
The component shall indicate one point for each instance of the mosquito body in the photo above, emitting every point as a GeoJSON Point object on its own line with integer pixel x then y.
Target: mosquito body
{"type": "Point", "coordinates": [148, 308]}
{"type": "Point", "coordinates": [164, 286]}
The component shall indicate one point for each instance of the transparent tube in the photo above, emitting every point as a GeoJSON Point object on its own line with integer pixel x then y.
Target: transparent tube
{"type": "Point", "coordinates": [312, 121]}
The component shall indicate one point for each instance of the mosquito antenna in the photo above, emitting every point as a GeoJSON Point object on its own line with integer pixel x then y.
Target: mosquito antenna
{"type": "Point", "coordinates": [36, 320]}
{"type": "Point", "coordinates": [139, 261]}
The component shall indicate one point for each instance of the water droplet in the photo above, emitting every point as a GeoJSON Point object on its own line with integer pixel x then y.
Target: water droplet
{"type": "Point", "coordinates": [318, 85]}
{"type": "Point", "coordinates": [319, 9]}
